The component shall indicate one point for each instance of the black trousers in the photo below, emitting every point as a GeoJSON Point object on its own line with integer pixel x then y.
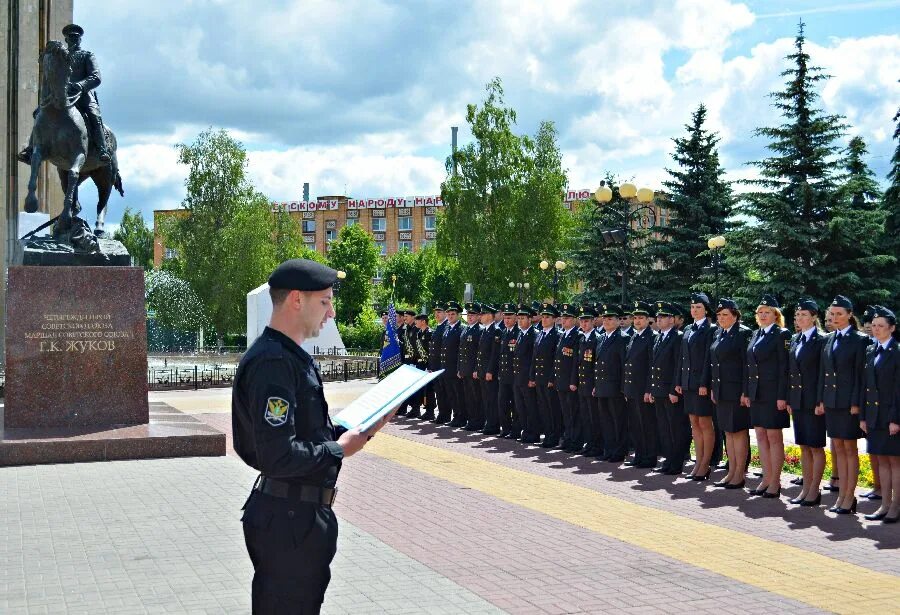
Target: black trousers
{"type": "Point", "coordinates": [674, 432]}
{"type": "Point", "coordinates": [291, 545]}
{"type": "Point", "coordinates": [592, 427]}
{"type": "Point", "coordinates": [506, 408]}
{"type": "Point", "coordinates": [489, 411]}
{"type": "Point", "coordinates": [551, 414]}
{"type": "Point", "coordinates": [571, 423]}
{"type": "Point", "coordinates": [440, 398]}
{"type": "Point", "coordinates": [473, 413]}
{"type": "Point", "coordinates": [614, 425]}
{"type": "Point", "coordinates": [527, 411]}
{"type": "Point", "coordinates": [643, 429]}
{"type": "Point", "coordinates": [453, 390]}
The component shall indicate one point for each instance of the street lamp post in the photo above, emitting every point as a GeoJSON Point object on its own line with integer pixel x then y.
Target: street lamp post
{"type": "Point", "coordinates": [522, 286]}
{"type": "Point", "coordinates": [558, 267]}
{"type": "Point", "coordinates": [643, 215]}
{"type": "Point", "coordinates": [715, 244]}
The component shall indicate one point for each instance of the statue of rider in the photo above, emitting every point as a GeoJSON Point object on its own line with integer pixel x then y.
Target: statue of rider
{"type": "Point", "coordinates": [84, 79]}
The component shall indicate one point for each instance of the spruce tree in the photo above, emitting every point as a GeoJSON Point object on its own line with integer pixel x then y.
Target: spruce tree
{"type": "Point", "coordinates": [890, 204]}
{"type": "Point", "coordinates": [697, 202]}
{"type": "Point", "coordinates": [784, 248]}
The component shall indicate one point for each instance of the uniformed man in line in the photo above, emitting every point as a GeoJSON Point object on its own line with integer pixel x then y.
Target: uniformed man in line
{"type": "Point", "coordinates": [536, 316]}
{"type": "Point", "coordinates": [672, 421]}
{"type": "Point", "coordinates": [282, 429]}
{"type": "Point", "coordinates": [472, 417]}
{"type": "Point", "coordinates": [410, 406]}
{"type": "Point", "coordinates": [486, 372]}
{"type": "Point", "coordinates": [564, 370]}
{"type": "Point", "coordinates": [525, 390]}
{"type": "Point", "coordinates": [583, 382]}
{"type": "Point", "coordinates": [608, 361]}
{"type": "Point", "coordinates": [679, 316]}
{"type": "Point", "coordinates": [434, 359]}
{"type": "Point", "coordinates": [453, 384]}
{"type": "Point", "coordinates": [502, 366]}
{"type": "Point", "coordinates": [636, 372]}
{"type": "Point", "coordinates": [403, 341]}
{"type": "Point", "coordinates": [543, 377]}
{"type": "Point", "coordinates": [598, 319]}
{"type": "Point", "coordinates": [423, 343]}
{"type": "Point", "coordinates": [626, 322]}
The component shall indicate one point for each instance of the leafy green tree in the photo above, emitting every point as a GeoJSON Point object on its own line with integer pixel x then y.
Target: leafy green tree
{"type": "Point", "coordinates": [784, 249]}
{"type": "Point", "coordinates": [699, 203]}
{"type": "Point", "coordinates": [442, 276]}
{"type": "Point", "coordinates": [410, 271]}
{"type": "Point", "coordinates": [173, 303]}
{"type": "Point", "coordinates": [287, 236]}
{"type": "Point", "coordinates": [355, 253]}
{"type": "Point", "coordinates": [890, 204]}
{"type": "Point", "coordinates": [136, 237]}
{"type": "Point", "coordinates": [502, 199]}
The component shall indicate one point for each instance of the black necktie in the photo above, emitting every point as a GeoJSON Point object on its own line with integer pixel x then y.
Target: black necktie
{"type": "Point", "coordinates": [879, 350]}
{"type": "Point", "coordinates": [694, 327]}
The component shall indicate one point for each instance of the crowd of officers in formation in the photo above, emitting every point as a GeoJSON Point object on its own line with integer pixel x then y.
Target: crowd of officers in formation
{"type": "Point", "coordinates": [603, 380]}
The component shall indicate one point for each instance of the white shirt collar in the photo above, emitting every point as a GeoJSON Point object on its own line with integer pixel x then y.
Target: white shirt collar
{"type": "Point", "coordinates": [728, 330]}
{"type": "Point", "coordinates": [808, 333]}
{"type": "Point", "coordinates": [567, 331]}
{"type": "Point", "coordinates": [845, 330]}
{"type": "Point", "coordinates": [666, 332]}
{"type": "Point", "coordinates": [700, 322]}
{"type": "Point", "coordinates": [767, 329]}
{"type": "Point", "coordinates": [884, 344]}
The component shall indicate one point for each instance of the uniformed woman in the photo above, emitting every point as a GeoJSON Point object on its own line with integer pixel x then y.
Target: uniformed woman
{"type": "Point", "coordinates": [694, 387]}
{"type": "Point", "coordinates": [766, 392]}
{"type": "Point", "coordinates": [728, 362]}
{"type": "Point", "coordinates": [880, 418]}
{"type": "Point", "coordinates": [803, 375]}
{"type": "Point", "coordinates": [840, 378]}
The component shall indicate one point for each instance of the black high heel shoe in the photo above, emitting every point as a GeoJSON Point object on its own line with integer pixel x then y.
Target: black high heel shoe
{"type": "Point", "coordinates": [875, 516]}
{"type": "Point", "coordinates": [721, 483]}
{"type": "Point", "coordinates": [758, 490]}
{"type": "Point", "coordinates": [815, 502]}
{"type": "Point", "coordinates": [891, 519]}
{"type": "Point", "coordinates": [768, 494]}
{"type": "Point", "coordinates": [797, 500]}
{"type": "Point", "coordinates": [739, 485]}
{"type": "Point", "coordinates": [703, 477]}
{"type": "Point", "coordinates": [846, 511]}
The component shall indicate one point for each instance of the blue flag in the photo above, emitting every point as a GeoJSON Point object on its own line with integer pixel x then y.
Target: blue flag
{"type": "Point", "coordinates": [390, 349]}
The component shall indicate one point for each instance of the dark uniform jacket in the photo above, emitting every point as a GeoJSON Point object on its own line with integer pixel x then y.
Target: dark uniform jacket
{"type": "Point", "coordinates": [86, 73]}
{"type": "Point", "coordinates": [403, 342]}
{"type": "Point", "coordinates": [279, 416]}
{"type": "Point", "coordinates": [636, 370]}
{"type": "Point", "coordinates": [608, 362]}
{"type": "Point", "coordinates": [434, 347]}
{"type": "Point", "coordinates": [767, 365]}
{"type": "Point", "coordinates": [564, 360]}
{"type": "Point", "coordinates": [488, 344]}
{"type": "Point", "coordinates": [694, 355]}
{"type": "Point", "coordinates": [503, 363]}
{"type": "Point", "coordinates": [544, 352]}
{"type": "Point", "coordinates": [583, 374]}
{"type": "Point", "coordinates": [423, 343]}
{"type": "Point", "coordinates": [841, 370]}
{"type": "Point", "coordinates": [803, 371]}
{"type": "Point", "coordinates": [468, 350]}
{"type": "Point", "coordinates": [664, 357]}
{"type": "Point", "coordinates": [881, 405]}
{"type": "Point", "coordinates": [450, 347]}
{"type": "Point", "coordinates": [727, 372]}
{"type": "Point", "coordinates": [523, 356]}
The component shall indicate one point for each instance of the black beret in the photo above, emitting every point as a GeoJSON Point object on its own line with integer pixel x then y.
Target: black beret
{"type": "Point", "coordinates": [842, 302]}
{"type": "Point", "coordinates": [303, 274]}
{"type": "Point", "coordinates": [726, 304]}
{"type": "Point", "coordinates": [770, 301]}
{"type": "Point", "coordinates": [509, 308]}
{"type": "Point", "coordinates": [664, 308]}
{"type": "Point", "coordinates": [809, 305]}
{"type": "Point", "coordinates": [76, 29]}
{"type": "Point", "coordinates": [525, 310]}
{"type": "Point", "coordinates": [535, 307]}
{"type": "Point", "coordinates": [883, 312]}
{"type": "Point", "coordinates": [549, 309]}
{"type": "Point", "coordinates": [700, 298]}
{"type": "Point", "coordinates": [869, 313]}
{"type": "Point", "coordinates": [642, 308]}
{"type": "Point", "coordinates": [587, 311]}
{"type": "Point", "coordinates": [611, 309]}
{"type": "Point", "coordinates": [567, 309]}
{"type": "Point", "coordinates": [453, 306]}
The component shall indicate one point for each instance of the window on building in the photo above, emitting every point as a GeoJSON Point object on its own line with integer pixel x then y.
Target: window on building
{"type": "Point", "coordinates": [379, 224]}
{"type": "Point", "coordinates": [382, 247]}
{"type": "Point", "coordinates": [330, 235]}
{"type": "Point", "coordinates": [352, 222]}
{"type": "Point", "coordinates": [405, 223]}
{"type": "Point", "coordinates": [427, 242]}
{"type": "Point", "coordinates": [309, 226]}
{"type": "Point", "coordinates": [170, 254]}
{"type": "Point", "coordinates": [430, 223]}
{"type": "Point", "coordinates": [404, 245]}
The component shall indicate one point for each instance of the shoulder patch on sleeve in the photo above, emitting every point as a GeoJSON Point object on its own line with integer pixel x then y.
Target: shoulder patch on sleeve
{"type": "Point", "coordinates": [276, 412]}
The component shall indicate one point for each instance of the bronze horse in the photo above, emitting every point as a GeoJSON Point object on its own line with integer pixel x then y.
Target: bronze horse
{"type": "Point", "coordinates": [60, 137]}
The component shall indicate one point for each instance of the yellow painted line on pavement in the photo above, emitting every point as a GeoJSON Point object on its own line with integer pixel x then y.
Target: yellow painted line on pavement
{"type": "Point", "coordinates": [808, 577]}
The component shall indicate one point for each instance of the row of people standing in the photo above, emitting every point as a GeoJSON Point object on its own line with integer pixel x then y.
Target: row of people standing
{"type": "Point", "coordinates": [593, 384]}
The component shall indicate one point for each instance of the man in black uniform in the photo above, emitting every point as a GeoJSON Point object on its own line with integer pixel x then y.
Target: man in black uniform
{"type": "Point", "coordinates": [525, 392]}
{"type": "Point", "coordinates": [502, 365]}
{"type": "Point", "coordinates": [583, 381]}
{"type": "Point", "coordinates": [403, 330]}
{"type": "Point", "coordinates": [608, 361]}
{"type": "Point", "coordinates": [434, 359]}
{"type": "Point", "coordinates": [453, 384]}
{"type": "Point", "coordinates": [423, 343]}
{"type": "Point", "coordinates": [673, 424]}
{"type": "Point", "coordinates": [641, 415]}
{"type": "Point", "coordinates": [282, 429]}
{"type": "Point", "coordinates": [486, 372]}
{"type": "Point", "coordinates": [471, 416]}
{"type": "Point", "coordinates": [563, 370]}
{"type": "Point", "coordinates": [542, 376]}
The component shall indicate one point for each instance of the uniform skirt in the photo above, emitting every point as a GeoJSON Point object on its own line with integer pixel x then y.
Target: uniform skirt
{"type": "Point", "coordinates": [696, 404]}
{"type": "Point", "coordinates": [766, 414]}
{"type": "Point", "coordinates": [809, 428]}
{"type": "Point", "coordinates": [732, 416]}
{"type": "Point", "coordinates": [839, 423]}
{"type": "Point", "coordinates": [881, 442]}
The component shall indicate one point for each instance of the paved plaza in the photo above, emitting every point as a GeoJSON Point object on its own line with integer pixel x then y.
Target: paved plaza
{"type": "Point", "coordinates": [435, 520]}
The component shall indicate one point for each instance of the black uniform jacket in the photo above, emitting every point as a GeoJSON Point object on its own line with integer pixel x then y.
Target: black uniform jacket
{"type": "Point", "coordinates": [608, 361]}
{"type": "Point", "coordinates": [881, 404]}
{"type": "Point", "coordinates": [636, 370]}
{"type": "Point", "coordinates": [564, 366]}
{"type": "Point", "coordinates": [488, 343]}
{"type": "Point", "coordinates": [279, 416]}
{"type": "Point", "coordinates": [767, 365]}
{"type": "Point", "coordinates": [841, 370]}
{"type": "Point", "coordinates": [583, 374]}
{"type": "Point", "coordinates": [544, 353]}
{"type": "Point", "coordinates": [434, 347]}
{"type": "Point", "coordinates": [423, 343]}
{"type": "Point", "coordinates": [664, 358]}
{"type": "Point", "coordinates": [450, 348]}
{"type": "Point", "coordinates": [803, 371]}
{"type": "Point", "coordinates": [727, 372]}
{"type": "Point", "coordinates": [468, 350]}
{"type": "Point", "coordinates": [503, 362]}
{"type": "Point", "coordinates": [695, 355]}
{"type": "Point", "coordinates": [523, 356]}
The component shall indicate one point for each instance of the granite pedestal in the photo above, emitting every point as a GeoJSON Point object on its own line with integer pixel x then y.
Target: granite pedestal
{"type": "Point", "coordinates": [76, 371]}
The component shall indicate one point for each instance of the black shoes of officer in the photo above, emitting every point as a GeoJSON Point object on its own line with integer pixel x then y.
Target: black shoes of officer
{"type": "Point", "coordinates": [491, 431]}
{"type": "Point", "coordinates": [457, 423]}
{"type": "Point", "coordinates": [529, 439]}
{"type": "Point", "coordinates": [549, 443]}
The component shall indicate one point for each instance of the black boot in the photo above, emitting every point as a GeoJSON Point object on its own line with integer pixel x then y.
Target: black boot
{"type": "Point", "coordinates": [98, 137]}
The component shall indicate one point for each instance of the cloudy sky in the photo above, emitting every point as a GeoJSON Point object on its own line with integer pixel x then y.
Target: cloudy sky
{"type": "Point", "coordinates": [357, 97]}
